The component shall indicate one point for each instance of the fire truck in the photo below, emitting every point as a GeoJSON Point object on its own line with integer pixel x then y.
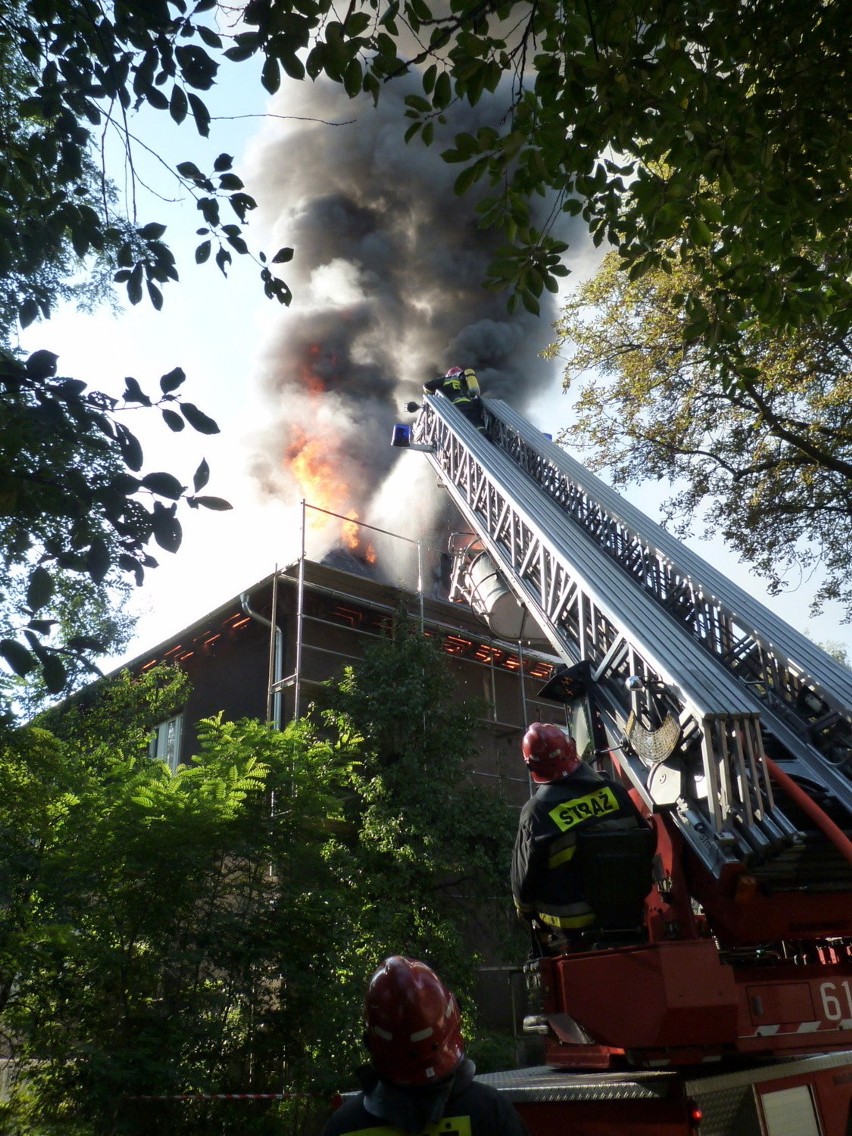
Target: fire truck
{"type": "Point", "coordinates": [718, 997]}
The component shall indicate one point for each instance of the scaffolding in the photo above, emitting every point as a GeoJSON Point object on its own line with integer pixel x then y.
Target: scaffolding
{"type": "Point", "coordinates": [359, 607]}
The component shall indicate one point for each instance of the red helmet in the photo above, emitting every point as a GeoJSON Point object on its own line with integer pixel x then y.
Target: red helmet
{"type": "Point", "coordinates": [549, 753]}
{"type": "Point", "coordinates": [413, 1023]}
{"type": "Point", "coordinates": [454, 373]}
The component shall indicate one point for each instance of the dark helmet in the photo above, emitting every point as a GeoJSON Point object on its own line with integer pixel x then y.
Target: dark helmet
{"type": "Point", "coordinates": [549, 753]}
{"type": "Point", "coordinates": [413, 1023]}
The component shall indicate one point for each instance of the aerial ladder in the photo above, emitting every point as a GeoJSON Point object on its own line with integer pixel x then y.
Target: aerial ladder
{"type": "Point", "coordinates": [733, 731]}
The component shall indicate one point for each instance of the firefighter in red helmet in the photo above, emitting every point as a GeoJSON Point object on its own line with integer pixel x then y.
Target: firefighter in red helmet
{"type": "Point", "coordinates": [461, 386]}
{"type": "Point", "coordinates": [546, 884]}
{"type": "Point", "coordinates": [418, 1073]}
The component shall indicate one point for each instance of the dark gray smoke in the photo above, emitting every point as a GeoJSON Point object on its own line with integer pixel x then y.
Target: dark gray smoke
{"type": "Point", "coordinates": [388, 282]}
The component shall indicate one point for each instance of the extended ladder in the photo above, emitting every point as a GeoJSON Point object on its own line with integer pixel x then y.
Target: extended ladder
{"type": "Point", "coordinates": [609, 586]}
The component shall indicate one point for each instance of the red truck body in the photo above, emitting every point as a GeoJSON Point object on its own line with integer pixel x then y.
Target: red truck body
{"type": "Point", "coordinates": [807, 1097]}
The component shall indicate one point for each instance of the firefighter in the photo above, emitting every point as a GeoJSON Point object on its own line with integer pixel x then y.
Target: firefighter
{"type": "Point", "coordinates": [546, 883]}
{"type": "Point", "coordinates": [461, 387]}
{"type": "Point", "coordinates": [418, 1074]}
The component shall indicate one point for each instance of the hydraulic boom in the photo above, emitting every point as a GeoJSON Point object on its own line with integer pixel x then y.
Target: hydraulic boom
{"type": "Point", "coordinates": [733, 730]}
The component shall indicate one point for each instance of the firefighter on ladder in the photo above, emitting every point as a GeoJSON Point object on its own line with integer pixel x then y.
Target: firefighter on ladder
{"type": "Point", "coordinates": [419, 1079]}
{"type": "Point", "coordinates": [461, 387]}
{"type": "Point", "coordinates": [546, 882]}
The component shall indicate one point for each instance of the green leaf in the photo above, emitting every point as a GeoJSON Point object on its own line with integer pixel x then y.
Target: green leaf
{"type": "Point", "coordinates": [130, 564]}
{"type": "Point", "coordinates": [131, 450]}
{"type": "Point", "coordinates": [54, 674]}
{"type": "Point", "coordinates": [166, 528]}
{"type": "Point", "coordinates": [201, 476]}
{"type": "Point", "coordinates": [237, 243]}
{"type": "Point", "coordinates": [352, 77]}
{"type": "Point", "coordinates": [134, 393]}
{"type": "Point", "coordinates": [201, 115]}
{"type": "Point", "coordinates": [443, 91]}
{"type": "Point", "coordinates": [245, 45]}
{"type": "Point", "coordinates": [40, 588]}
{"type": "Point", "coordinates": [28, 312]}
{"type": "Point", "coordinates": [173, 420]}
{"type": "Point", "coordinates": [172, 380]}
{"type": "Point", "coordinates": [242, 203]}
{"type": "Point", "coordinates": [178, 105]}
{"type": "Point", "coordinates": [124, 484]}
{"type": "Point", "coordinates": [270, 75]}
{"type": "Point", "coordinates": [155, 98]}
{"type": "Point", "coordinates": [71, 388]}
{"type": "Point", "coordinates": [197, 68]}
{"type": "Point", "coordinates": [98, 560]}
{"type": "Point", "coordinates": [293, 66]}
{"type": "Point", "coordinates": [216, 503]}
{"type": "Point", "coordinates": [530, 302]}
{"type": "Point", "coordinates": [41, 364]}
{"type": "Point", "coordinates": [134, 284]}
{"type": "Point", "coordinates": [152, 231]}
{"type": "Point", "coordinates": [197, 419]}
{"type": "Point", "coordinates": [17, 656]}
{"type": "Point", "coordinates": [208, 35]}
{"type": "Point", "coordinates": [155, 296]}
{"type": "Point", "coordinates": [356, 23]}
{"type": "Point", "coordinates": [165, 484]}
{"type": "Point", "coordinates": [190, 171]}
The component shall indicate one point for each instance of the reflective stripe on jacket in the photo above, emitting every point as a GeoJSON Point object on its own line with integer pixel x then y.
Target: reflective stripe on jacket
{"type": "Point", "coordinates": [456, 390]}
{"type": "Point", "coordinates": [546, 881]}
{"type": "Point", "coordinates": [477, 1110]}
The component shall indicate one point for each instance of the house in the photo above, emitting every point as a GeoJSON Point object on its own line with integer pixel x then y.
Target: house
{"type": "Point", "coordinates": [266, 652]}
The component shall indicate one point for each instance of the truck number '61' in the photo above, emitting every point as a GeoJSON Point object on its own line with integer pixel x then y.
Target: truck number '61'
{"type": "Point", "coordinates": [836, 1001]}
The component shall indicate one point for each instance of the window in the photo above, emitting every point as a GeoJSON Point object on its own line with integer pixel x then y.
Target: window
{"type": "Point", "coordinates": [165, 741]}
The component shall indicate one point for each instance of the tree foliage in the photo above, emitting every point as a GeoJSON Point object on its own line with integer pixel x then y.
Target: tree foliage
{"type": "Point", "coordinates": [426, 843]}
{"type": "Point", "coordinates": [718, 125]}
{"type": "Point", "coordinates": [212, 930]}
{"type": "Point", "coordinates": [74, 498]}
{"type": "Point", "coordinates": [160, 934]}
{"type": "Point", "coordinates": [88, 617]}
{"type": "Point", "coordinates": [75, 77]}
{"type": "Point", "coordinates": [766, 461]}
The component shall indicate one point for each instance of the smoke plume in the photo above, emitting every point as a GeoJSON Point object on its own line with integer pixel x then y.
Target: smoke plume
{"type": "Point", "coordinates": [388, 293]}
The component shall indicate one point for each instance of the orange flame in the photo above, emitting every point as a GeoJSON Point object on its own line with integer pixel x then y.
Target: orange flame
{"type": "Point", "coordinates": [317, 464]}
{"type": "Point", "coordinates": [350, 532]}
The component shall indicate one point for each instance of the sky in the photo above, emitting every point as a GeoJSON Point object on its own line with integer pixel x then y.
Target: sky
{"type": "Point", "coordinates": [387, 289]}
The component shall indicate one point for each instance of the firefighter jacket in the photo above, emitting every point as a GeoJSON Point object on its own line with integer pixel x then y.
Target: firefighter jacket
{"type": "Point", "coordinates": [546, 882]}
{"type": "Point", "coordinates": [459, 1107]}
{"type": "Point", "coordinates": [462, 391]}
